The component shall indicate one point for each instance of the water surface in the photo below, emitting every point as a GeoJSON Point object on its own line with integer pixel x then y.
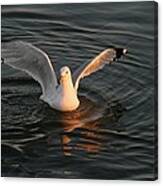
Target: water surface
{"type": "Point", "coordinates": [111, 135]}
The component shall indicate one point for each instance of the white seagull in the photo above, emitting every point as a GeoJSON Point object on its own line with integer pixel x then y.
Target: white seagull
{"type": "Point", "coordinates": [60, 95]}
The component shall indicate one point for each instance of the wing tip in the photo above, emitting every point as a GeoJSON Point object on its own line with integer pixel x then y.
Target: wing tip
{"type": "Point", "coordinates": [120, 52]}
{"type": "Point", "coordinates": [2, 60]}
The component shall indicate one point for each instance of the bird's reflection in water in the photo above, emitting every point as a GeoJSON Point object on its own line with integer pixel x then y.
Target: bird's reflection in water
{"type": "Point", "coordinates": [89, 140]}
{"type": "Point", "coordinates": [82, 129]}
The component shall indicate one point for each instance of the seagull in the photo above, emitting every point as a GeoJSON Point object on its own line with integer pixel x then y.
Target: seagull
{"type": "Point", "coordinates": [61, 95]}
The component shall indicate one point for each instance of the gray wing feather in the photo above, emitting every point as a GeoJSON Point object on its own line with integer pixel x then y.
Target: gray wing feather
{"type": "Point", "coordinates": [26, 57]}
{"type": "Point", "coordinates": [96, 64]}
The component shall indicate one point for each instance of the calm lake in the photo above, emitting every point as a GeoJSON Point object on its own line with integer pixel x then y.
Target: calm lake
{"type": "Point", "coordinates": [112, 134]}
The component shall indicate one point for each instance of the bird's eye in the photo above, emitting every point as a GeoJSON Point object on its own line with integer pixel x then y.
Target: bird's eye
{"type": "Point", "coordinates": [66, 72]}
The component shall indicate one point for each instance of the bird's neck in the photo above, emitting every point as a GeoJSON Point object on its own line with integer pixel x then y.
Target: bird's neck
{"type": "Point", "coordinates": [67, 86]}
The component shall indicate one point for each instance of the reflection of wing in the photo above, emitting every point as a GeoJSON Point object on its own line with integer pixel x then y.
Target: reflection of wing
{"type": "Point", "coordinates": [96, 64]}
{"type": "Point", "coordinates": [26, 57]}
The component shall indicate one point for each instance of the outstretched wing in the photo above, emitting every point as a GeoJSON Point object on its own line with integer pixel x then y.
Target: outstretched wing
{"type": "Point", "coordinates": [26, 57]}
{"type": "Point", "coordinates": [105, 57]}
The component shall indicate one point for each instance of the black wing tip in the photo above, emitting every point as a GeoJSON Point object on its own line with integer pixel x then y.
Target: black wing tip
{"type": "Point", "coordinates": [120, 52]}
{"type": "Point", "coordinates": [2, 60]}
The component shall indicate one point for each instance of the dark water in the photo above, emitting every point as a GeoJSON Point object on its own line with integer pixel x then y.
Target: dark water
{"type": "Point", "coordinates": [111, 135]}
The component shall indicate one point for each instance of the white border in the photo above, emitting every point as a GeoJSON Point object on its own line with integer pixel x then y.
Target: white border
{"type": "Point", "coordinates": [58, 1]}
{"type": "Point", "coordinates": [61, 182]}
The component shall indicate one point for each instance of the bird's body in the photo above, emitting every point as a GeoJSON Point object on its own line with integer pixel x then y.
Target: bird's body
{"type": "Point", "coordinates": [60, 95]}
{"type": "Point", "coordinates": [65, 98]}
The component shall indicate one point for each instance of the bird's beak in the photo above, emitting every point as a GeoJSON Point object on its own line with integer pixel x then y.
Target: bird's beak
{"type": "Point", "coordinates": [61, 77]}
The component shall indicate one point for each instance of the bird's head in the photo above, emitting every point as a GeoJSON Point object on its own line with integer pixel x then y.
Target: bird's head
{"type": "Point", "coordinates": [65, 74]}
